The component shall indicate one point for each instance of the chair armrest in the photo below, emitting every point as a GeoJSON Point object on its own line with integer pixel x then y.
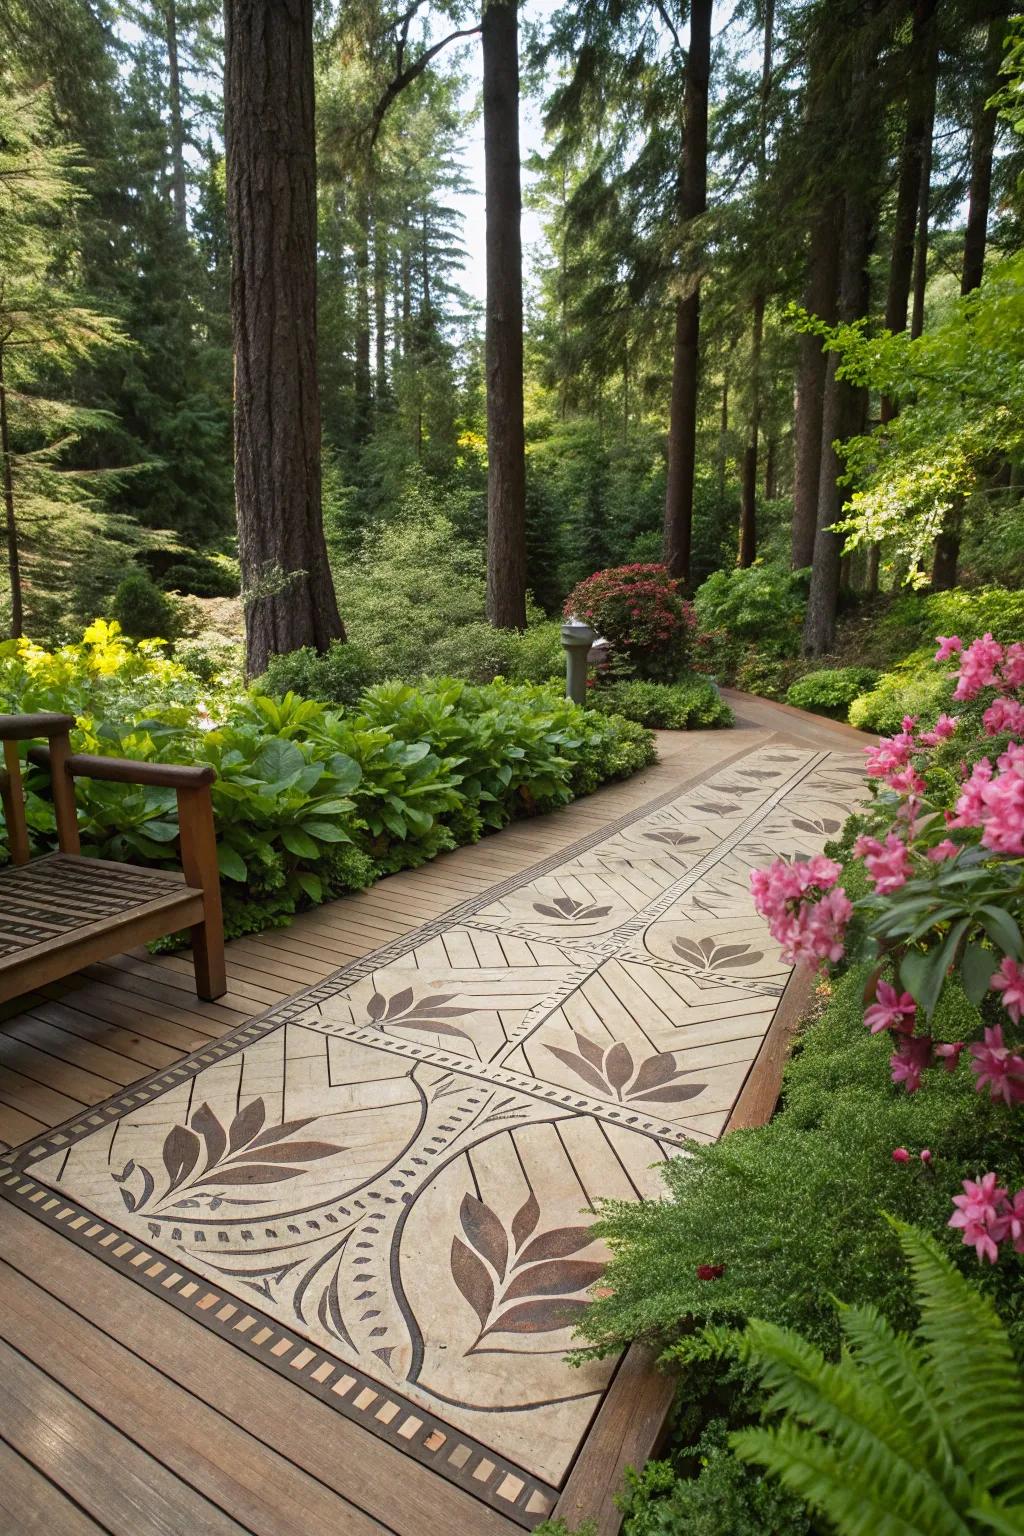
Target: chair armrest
{"type": "Point", "coordinates": [123, 770]}
{"type": "Point", "coordinates": [31, 727]}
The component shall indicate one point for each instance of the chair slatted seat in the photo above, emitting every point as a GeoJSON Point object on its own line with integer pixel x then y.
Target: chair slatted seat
{"type": "Point", "coordinates": [62, 911]}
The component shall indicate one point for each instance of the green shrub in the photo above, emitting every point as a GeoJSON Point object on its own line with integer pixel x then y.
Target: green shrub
{"type": "Point", "coordinates": [914, 619]}
{"type": "Point", "coordinates": [762, 604]}
{"type": "Point", "coordinates": [143, 611]}
{"type": "Point", "coordinates": [639, 610]}
{"type": "Point", "coordinates": [538, 655]}
{"type": "Point", "coordinates": [336, 676]}
{"type": "Point", "coordinates": [692, 704]}
{"type": "Point", "coordinates": [477, 652]}
{"type": "Point", "coordinates": [915, 687]}
{"type": "Point", "coordinates": [716, 1495]}
{"type": "Point", "coordinates": [791, 1209]}
{"type": "Point", "coordinates": [767, 676]}
{"type": "Point", "coordinates": [832, 690]}
{"type": "Point", "coordinates": [309, 802]}
{"type": "Point", "coordinates": [203, 576]}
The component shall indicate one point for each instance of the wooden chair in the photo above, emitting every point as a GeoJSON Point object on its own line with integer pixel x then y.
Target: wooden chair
{"type": "Point", "coordinates": [61, 912]}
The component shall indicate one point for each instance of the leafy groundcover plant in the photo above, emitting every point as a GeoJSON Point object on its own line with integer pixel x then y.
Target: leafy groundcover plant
{"type": "Point", "coordinates": [309, 802]}
{"type": "Point", "coordinates": [694, 703]}
{"type": "Point", "coordinates": [904, 1095]}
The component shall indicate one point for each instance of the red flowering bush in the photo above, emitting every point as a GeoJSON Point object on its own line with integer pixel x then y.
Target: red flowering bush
{"type": "Point", "coordinates": [638, 609]}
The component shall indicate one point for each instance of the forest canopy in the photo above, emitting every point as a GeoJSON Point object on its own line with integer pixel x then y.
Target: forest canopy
{"type": "Point", "coordinates": [773, 314]}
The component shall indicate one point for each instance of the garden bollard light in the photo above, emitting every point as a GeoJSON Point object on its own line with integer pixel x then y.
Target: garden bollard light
{"type": "Point", "coordinates": [577, 639]}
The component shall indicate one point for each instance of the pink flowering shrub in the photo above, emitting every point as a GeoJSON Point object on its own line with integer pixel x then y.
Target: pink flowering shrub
{"type": "Point", "coordinates": [638, 608]}
{"type": "Point", "coordinates": [988, 1216]}
{"type": "Point", "coordinates": [944, 860]}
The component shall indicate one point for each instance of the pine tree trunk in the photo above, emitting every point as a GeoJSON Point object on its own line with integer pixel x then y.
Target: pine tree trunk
{"type": "Point", "coordinates": [983, 138]}
{"type": "Point", "coordinates": [271, 199]}
{"type": "Point", "coordinates": [748, 483]}
{"type": "Point", "coordinates": [506, 459]}
{"type": "Point", "coordinates": [380, 309]}
{"type": "Point", "coordinates": [177, 146]}
{"type": "Point", "coordinates": [946, 555]}
{"type": "Point", "coordinates": [924, 213]}
{"type": "Point", "coordinates": [820, 297]}
{"type": "Point", "coordinates": [693, 192]}
{"type": "Point", "coordinates": [723, 429]}
{"type": "Point", "coordinates": [10, 517]}
{"type": "Point", "coordinates": [770, 469]}
{"type": "Point", "coordinates": [361, 254]}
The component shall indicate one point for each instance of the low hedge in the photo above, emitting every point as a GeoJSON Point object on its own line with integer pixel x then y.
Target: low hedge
{"type": "Point", "coordinates": [309, 802]}
{"type": "Point", "coordinates": [693, 703]}
{"type": "Point", "coordinates": [831, 690]}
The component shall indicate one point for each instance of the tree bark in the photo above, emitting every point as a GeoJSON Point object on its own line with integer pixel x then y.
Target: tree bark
{"type": "Point", "coordinates": [921, 82]}
{"type": "Point", "coordinates": [923, 217]}
{"type": "Point", "coordinates": [506, 454]}
{"type": "Point", "coordinates": [10, 518]}
{"type": "Point", "coordinates": [271, 199]}
{"type": "Point", "coordinates": [748, 482]}
{"type": "Point", "coordinates": [177, 146]}
{"type": "Point", "coordinates": [380, 308]}
{"type": "Point", "coordinates": [693, 194]}
{"type": "Point", "coordinates": [983, 138]}
{"type": "Point", "coordinates": [361, 255]}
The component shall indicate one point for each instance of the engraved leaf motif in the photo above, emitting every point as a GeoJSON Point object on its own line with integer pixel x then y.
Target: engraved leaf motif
{"type": "Point", "coordinates": [582, 1068]}
{"type": "Point", "coordinates": [247, 1124]}
{"type": "Point", "coordinates": [556, 1277]}
{"type": "Point", "coordinates": [181, 1153]}
{"type": "Point", "coordinates": [525, 1220]}
{"type": "Point", "coordinates": [653, 1072]}
{"type": "Point", "coordinates": [473, 1279]}
{"type": "Point", "coordinates": [400, 1002]}
{"type": "Point", "coordinates": [248, 1173]}
{"type": "Point", "coordinates": [618, 1066]}
{"type": "Point", "coordinates": [431, 1026]}
{"type": "Point", "coordinates": [543, 1316]}
{"type": "Point", "coordinates": [678, 839]}
{"type": "Point", "coordinates": [279, 1132]}
{"type": "Point", "coordinates": [289, 1152]}
{"type": "Point", "coordinates": [485, 1232]}
{"type": "Point", "coordinates": [210, 1129]}
{"type": "Point", "coordinates": [558, 1243]}
{"type": "Point", "coordinates": [376, 1006]}
{"type": "Point", "coordinates": [672, 1094]}
{"type": "Point", "coordinates": [589, 1049]}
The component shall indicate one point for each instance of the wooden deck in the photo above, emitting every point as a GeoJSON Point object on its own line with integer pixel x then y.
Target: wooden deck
{"type": "Point", "coordinates": [121, 1413]}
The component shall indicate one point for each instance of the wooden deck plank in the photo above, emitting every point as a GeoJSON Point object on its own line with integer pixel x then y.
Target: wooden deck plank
{"type": "Point", "coordinates": [76, 1082]}
{"type": "Point", "coordinates": [402, 1494]}
{"type": "Point", "coordinates": [133, 1044]}
{"type": "Point", "coordinates": [76, 1448]}
{"type": "Point", "coordinates": [30, 1505]}
{"type": "Point", "coordinates": [261, 1489]}
{"type": "Point", "coordinates": [70, 1047]}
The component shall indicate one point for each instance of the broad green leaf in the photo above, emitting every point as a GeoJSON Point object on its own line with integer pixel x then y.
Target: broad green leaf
{"type": "Point", "coordinates": [976, 971]}
{"type": "Point", "coordinates": [230, 864]}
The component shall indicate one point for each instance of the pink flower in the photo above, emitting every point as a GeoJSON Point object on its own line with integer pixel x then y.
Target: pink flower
{"type": "Point", "coordinates": [1009, 980]}
{"type": "Point", "coordinates": [1013, 666]}
{"type": "Point", "coordinates": [890, 1010]}
{"type": "Point", "coordinates": [1013, 1213]}
{"type": "Point", "coordinates": [950, 1053]}
{"type": "Point", "coordinates": [947, 849]}
{"type": "Point", "coordinates": [949, 645]}
{"type": "Point", "coordinates": [978, 667]}
{"type": "Point", "coordinates": [891, 754]}
{"type": "Point", "coordinates": [998, 1068]}
{"type": "Point", "coordinates": [970, 805]}
{"type": "Point", "coordinates": [1003, 715]}
{"type": "Point", "coordinates": [926, 1156]}
{"type": "Point", "coordinates": [978, 1216]}
{"type": "Point", "coordinates": [889, 865]}
{"type": "Point", "coordinates": [945, 726]}
{"type": "Point", "coordinates": [913, 1054]}
{"type": "Point", "coordinates": [900, 1155]}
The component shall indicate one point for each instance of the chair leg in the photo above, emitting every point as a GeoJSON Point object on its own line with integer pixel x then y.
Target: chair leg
{"type": "Point", "coordinates": [208, 960]}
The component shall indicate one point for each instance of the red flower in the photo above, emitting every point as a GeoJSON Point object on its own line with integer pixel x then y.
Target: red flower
{"type": "Point", "coordinates": [710, 1271]}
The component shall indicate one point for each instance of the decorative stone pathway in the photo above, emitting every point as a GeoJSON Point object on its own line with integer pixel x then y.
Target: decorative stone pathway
{"type": "Point", "coordinates": [383, 1188]}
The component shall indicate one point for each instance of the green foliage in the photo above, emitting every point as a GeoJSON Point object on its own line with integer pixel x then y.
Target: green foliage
{"type": "Point", "coordinates": [762, 604]}
{"type": "Point", "coordinates": [337, 676]}
{"type": "Point", "coordinates": [143, 610]}
{"type": "Point", "coordinates": [480, 653]}
{"type": "Point", "coordinates": [202, 576]}
{"type": "Point", "coordinates": [716, 1495]}
{"type": "Point", "coordinates": [764, 1202]}
{"type": "Point", "coordinates": [915, 687]}
{"type": "Point", "coordinates": [832, 690]}
{"type": "Point", "coordinates": [310, 802]}
{"type": "Point", "coordinates": [903, 1436]}
{"type": "Point", "coordinates": [914, 619]}
{"type": "Point", "coordinates": [754, 673]}
{"type": "Point", "coordinates": [692, 704]}
{"type": "Point", "coordinates": [639, 611]}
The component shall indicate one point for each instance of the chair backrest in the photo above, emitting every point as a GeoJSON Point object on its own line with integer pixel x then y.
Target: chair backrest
{"type": "Point", "coordinates": [55, 729]}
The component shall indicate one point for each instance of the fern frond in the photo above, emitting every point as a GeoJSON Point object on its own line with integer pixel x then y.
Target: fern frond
{"type": "Point", "coordinates": [970, 1370]}
{"type": "Point", "coordinates": [992, 1516]}
{"type": "Point", "coordinates": [805, 1464]}
{"type": "Point", "coordinates": [860, 1421]}
{"type": "Point", "coordinates": [896, 1364]}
